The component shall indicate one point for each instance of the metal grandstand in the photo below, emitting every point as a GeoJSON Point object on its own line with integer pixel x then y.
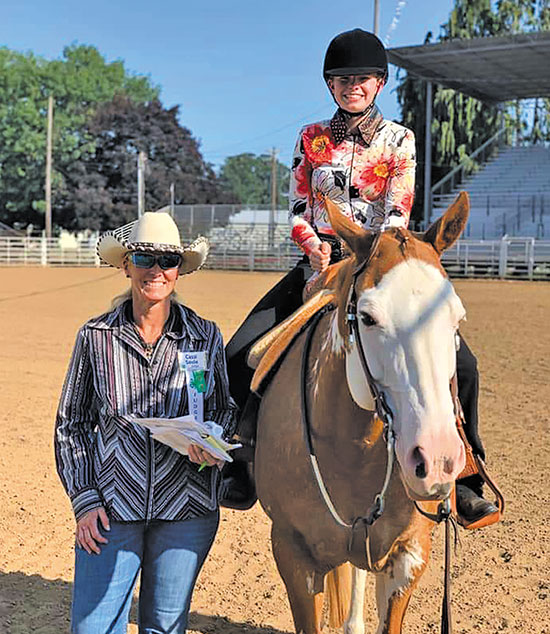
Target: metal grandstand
{"type": "Point", "coordinates": [492, 69]}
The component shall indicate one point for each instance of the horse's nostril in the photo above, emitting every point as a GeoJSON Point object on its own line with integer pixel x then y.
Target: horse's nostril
{"type": "Point", "coordinates": [448, 466]}
{"type": "Point", "coordinates": [420, 470]}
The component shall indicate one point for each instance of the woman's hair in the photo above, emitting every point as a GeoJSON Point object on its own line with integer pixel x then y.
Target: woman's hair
{"type": "Point", "coordinates": [127, 294]}
{"type": "Point", "coordinates": [120, 299]}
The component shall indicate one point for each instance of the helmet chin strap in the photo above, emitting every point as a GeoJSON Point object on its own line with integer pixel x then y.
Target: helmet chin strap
{"type": "Point", "coordinates": [351, 115]}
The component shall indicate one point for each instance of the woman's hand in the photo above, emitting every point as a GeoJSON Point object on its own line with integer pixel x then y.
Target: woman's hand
{"type": "Point", "coordinates": [198, 455]}
{"type": "Point", "coordinates": [319, 257]}
{"type": "Point", "coordinates": [88, 535]}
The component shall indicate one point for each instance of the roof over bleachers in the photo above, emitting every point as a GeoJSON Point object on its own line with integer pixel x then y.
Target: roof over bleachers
{"type": "Point", "coordinates": [492, 69]}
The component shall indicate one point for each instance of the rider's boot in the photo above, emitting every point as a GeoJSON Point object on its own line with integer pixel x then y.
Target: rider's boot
{"type": "Point", "coordinates": [237, 490]}
{"type": "Point", "coordinates": [471, 506]}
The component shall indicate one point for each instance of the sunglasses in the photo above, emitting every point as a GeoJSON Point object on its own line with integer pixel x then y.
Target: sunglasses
{"type": "Point", "coordinates": [166, 261]}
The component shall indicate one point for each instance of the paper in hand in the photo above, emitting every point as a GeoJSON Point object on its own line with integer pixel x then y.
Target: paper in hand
{"type": "Point", "coordinates": [181, 432]}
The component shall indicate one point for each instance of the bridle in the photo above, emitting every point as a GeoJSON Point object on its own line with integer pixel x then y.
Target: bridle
{"type": "Point", "coordinates": [359, 542]}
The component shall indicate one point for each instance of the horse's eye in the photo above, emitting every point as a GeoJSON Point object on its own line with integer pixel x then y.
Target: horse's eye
{"type": "Point", "coordinates": [368, 320]}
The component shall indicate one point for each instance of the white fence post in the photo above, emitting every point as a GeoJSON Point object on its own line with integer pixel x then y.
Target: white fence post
{"type": "Point", "coordinates": [44, 251]}
{"type": "Point", "coordinates": [251, 256]}
{"type": "Point", "coordinates": [530, 258]}
{"type": "Point", "coordinates": [503, 258]}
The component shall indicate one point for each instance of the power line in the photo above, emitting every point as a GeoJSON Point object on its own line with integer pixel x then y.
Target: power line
{"type": "Point", "coordinates": [224, 150]}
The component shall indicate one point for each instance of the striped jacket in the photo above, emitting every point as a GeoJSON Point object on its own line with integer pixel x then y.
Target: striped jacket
{"type": "Point", "coordinates": [102, 458]}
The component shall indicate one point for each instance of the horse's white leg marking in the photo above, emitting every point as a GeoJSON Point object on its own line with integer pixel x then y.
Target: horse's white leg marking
{"type": "Point", "coordinates": [396, 578]}
{"type": "Point", "coordinates": [355, 622]}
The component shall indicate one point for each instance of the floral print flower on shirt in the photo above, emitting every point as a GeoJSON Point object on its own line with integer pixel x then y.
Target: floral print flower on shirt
{"type": "Point", "coordinates": [302, 176]}
{"type": "Point", "coordinates": [318, 144]}
{"type": "Point", "coordinates": [373, 180]}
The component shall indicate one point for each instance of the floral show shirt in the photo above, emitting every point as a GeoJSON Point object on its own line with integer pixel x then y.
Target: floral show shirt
{"type": "Point", "coordinates": [369, 174]}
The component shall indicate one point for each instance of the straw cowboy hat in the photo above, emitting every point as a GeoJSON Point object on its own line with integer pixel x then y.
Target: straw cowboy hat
{"type": "Point", "coordinates": [156, 232]}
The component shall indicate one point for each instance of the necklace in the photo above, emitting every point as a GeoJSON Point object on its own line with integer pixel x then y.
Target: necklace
{"type": "Point", "coordinates": [147, 347]}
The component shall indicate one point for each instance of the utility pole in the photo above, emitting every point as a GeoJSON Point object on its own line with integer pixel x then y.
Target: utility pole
{"type": "Point", "coordinates": [376, 26]}
{"type": "Point", "coordinates": [172, 198]}
{"type": "Point", "coordinates": [142, 157]}
{"type": "Point", "coordinates": [48, 185]}
{"type": "Point", "coordinates": [428, 157]}
{"type": "Point", "coordinates": [273, 197]}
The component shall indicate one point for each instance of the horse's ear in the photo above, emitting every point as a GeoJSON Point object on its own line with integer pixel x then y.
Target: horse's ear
{"type": "Point", "coordinates": [356, 238]}
{"type": "Point", "coordinates": [446, 231]}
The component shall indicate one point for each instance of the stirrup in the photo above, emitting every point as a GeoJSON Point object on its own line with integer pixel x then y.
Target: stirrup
{"type": "Point", "coordinates": [491, 518]}
{"type": "Point", "coordinates": [475, 466]}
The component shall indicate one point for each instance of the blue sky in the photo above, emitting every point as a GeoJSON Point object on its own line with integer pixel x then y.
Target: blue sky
{"type": "Point", "coordinates": [246, 74]}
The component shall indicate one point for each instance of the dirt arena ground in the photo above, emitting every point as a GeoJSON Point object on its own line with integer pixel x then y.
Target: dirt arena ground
{"type": "Point", "coordinates": [501, 581]}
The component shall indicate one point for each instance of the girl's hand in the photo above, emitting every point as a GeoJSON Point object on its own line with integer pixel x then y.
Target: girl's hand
{"type": "Point", "coordinates": [87, 530]}
{"type": "Point", "coordinates": [319, 257]}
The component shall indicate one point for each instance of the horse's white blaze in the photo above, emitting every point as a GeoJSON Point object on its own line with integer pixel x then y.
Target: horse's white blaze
{"type": "Point", "coordinates": [411, 353]}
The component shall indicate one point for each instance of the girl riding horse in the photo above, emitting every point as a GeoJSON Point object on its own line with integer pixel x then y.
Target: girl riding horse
{"type": "Point", "coordinates": [366, 164]}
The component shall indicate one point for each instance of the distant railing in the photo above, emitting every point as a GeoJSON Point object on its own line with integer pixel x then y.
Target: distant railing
{"type": "Point", "coordinates": [495, 215]}
{"type": "Point", "coordinates": [23, 251]}
{"type": "Point", "coordinates": [508, 258]}
{"type": "Point", "coordinates": [529, 211]}
{"type": "Point", "coordinates": [457, 175]}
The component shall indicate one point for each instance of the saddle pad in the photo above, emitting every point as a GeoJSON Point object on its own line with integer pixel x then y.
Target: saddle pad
{"type": "Point", "coordinates": [285, 335]}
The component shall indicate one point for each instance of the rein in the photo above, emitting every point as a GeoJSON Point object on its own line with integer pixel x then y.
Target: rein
{"type": "Point", "coordinates": [359, 542]}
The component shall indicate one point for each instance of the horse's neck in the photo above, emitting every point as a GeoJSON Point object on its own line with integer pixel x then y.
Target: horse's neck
{"type": "Point", "coordinates": [332, 392]}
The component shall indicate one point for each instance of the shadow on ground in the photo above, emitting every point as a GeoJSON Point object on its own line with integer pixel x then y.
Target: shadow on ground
{"type": "Point", "coordinates": [30, 604]}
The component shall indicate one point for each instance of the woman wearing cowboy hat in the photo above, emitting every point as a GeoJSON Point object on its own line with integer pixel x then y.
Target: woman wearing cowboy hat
{"type": "Point", "coordinates": [140, 506]}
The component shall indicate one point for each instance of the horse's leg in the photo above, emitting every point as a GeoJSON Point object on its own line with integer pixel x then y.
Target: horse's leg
{"type": "Point", "coordinates": [396, 582]}
{"type": "Point", "coordinates": [355, 623]}
{"type": "Point", "coordinates": [303, 585]}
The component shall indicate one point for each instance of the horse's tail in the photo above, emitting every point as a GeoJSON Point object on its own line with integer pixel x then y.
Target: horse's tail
{"type": "Point", "coordinates": [338, 594]}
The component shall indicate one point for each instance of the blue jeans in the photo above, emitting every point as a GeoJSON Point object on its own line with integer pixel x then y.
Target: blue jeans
{"type": "Point", "coordinates": [169, 556]}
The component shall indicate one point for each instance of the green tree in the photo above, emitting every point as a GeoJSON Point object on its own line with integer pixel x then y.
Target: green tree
{"type": "Point", "coordinates": [78, 82]}
{"type": "Point", "coordinates": [248, 177]}
{"type": "Point", "coordinates": [100, 189]}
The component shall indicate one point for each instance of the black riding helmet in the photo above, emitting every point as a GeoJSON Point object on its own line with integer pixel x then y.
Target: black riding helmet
{"type": "Point", "coordinates": [355, 52]}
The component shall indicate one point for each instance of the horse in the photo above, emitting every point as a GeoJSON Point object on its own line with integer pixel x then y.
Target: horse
{"type": "Point", "coordinates": [407, 317]}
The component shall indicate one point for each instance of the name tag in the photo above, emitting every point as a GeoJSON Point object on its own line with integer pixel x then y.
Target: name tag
{"type": "Point", "coordinates": [194, 365]}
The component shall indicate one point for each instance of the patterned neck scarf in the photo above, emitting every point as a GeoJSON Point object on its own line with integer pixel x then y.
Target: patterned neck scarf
{"type": "Point", "coordinates": [366, 127]}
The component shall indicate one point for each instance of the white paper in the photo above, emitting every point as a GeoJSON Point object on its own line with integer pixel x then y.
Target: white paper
{"type": "Point", "coordinates": [181, 432]}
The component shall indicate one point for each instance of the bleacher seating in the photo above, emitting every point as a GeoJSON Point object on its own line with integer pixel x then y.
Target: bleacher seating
{"type": "Point", "coordinates": [510, 195]}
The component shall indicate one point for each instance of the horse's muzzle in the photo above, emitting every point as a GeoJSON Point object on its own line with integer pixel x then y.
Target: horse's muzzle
{"type": "Point", "coordinates": [437, 492]}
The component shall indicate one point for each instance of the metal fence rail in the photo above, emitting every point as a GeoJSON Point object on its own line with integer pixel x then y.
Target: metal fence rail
{"type": "Point", "coordinates": [258, 249]}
